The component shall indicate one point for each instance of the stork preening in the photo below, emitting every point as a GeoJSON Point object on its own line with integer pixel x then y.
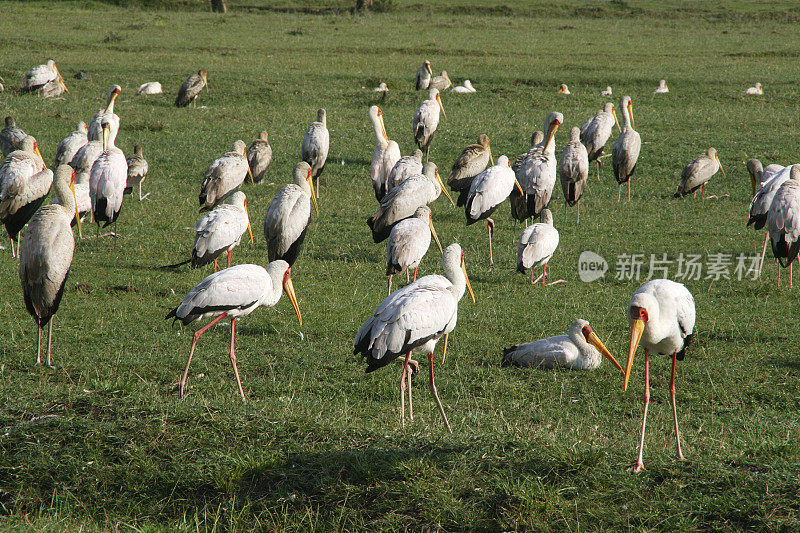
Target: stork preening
{"type": "Point", "coordinates": [426, 120]}
{"type": "Point", "coordinates": [783, 221]}
{"type": "Point", "coordinates": [415, 318]}
{"type": "Point", "coordinates": [24, 184]}
{"type": "Point", "coordinates": [234, 292]}
{"type": "Point", "coordinates": [406, 166]}
{"type": "Point", "coordinates": [537, 171]}
{"type": "Point", "coordinates": [488, 190]}
{"type": "Point", "coordinates": [517, 200]}
{"type": "Point", "coordinates": [191, 88]}
{"type": "Point", "coordinates": [596, 131]}
{"type": "Point", "coordinates": [70, 145]}
{"type": "Point", "coordinates": [107, 181]}
{"type": "Point", "coordinates": [11, 136]}
{"type": "Point", "coordinates": [259, 156]}
{"type": "Point", "coordinates": [573, 168]}
{"type": "Point", "coordinates": [288, 215]}
{"type": "Point", "coordinates": [579, 349]}
{"type": "Point", "coordinates": [220, 231]}
{"type": "Point", "coordinates": [423, 78]}
{"type": "Point", "coordinates": [626, 149]}
{"type": "Point", "coordinates": [473, 160]}
{"type": "Point", "coordinates": [106, 114]}
{"type": "Point", "coordinates": [384, 157]}
{"type": "Point", "coordinates": [661, 315]}
{"type": "Point", "coordinates": [697, 173]}
{"type": "Point", "coordinates": [537, 244]}
{"type": "Point", "coordinates": [224, 175]}
{"type": "Point", "coordinates": [137, 172]}
{"type": "Point", "coordinates": [46, 258]}
{"type": "Point", "coordinates": [315, 146]}
{"type": "Point", "coordinates": [408, 243]}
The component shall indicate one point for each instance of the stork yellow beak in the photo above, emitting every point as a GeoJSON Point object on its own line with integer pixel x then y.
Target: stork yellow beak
{"type": "Point", "coordinates": [519, 187]}
{"type": "Point", "coordinates": [595, 341]}
{"type": "Point", "coordinates": [310, 179]}
{"type": "Point", "coordinates": [435, 237]}
{"type": "Point", "coordinates": [444, 350]}
{"type": "Point", "coordinates": [383, 128]}
{"type": "Point", "coordinates": [249, 172]}
{"type": "Point", "coordinates": [37, 152]}
{"type": "Point", "coordinates": [616, 121]}
{"type": "Point", "coordinates": [469, 285]}
{"type": "Point", "coordinates": [722, 169]}
{"type": "Point", "coordinates": [288, 288]}
{"type": "Point", "coordinates": [249, 228]}
{"type": "Point", "coordinates": [630, 112]}
{"type": "Point", "coordinates": [637, 327]}
{"type": "Point", "coordinates": [439, 100]}
{"type": "Point", "coordinates": [77, 213]}
{"type": "Point", "coordinates": [444, 190]}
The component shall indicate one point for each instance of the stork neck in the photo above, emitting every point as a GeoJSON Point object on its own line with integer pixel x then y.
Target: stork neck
{"type": "Point", "coordinates": [626, 119]}
{"type": "Point", "coordinates": [377, 127]}
{"type": "Point", "coordinates": [276, 275]}
{"type": "Point", "coordinates": [455, 275]}
{"type": "Point", "coordinates": [66, 199]}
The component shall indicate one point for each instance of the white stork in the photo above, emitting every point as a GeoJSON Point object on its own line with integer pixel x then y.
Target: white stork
{"type": "Point", "coordinates": [563, 89]}
{"type": "Point", "coordinates": [46, 257]}
{"type": "Point", "coordinates": [288, 215]}
{"type": "Point", "coordinates": [40, 75]}
{"type": "Point", "coordinates": [441, 82]}
{"type": "Point", "coordinates": [626, 149]}
{"type": "Point", "coordinates": [488, 190]}
{"type": "Point", "coordinates": [755, 90]}
{"type": "Point", "coordinates": [385, 155]}
{"type": "Point", "coordinates": [661, 315]}
{"type": "Point", "coordinates": [191, 88]}
{"type": "Point", "coordinates": [406, 166]}
{"type": "Point", "coordinates": [24, 184]}
{"type": "Point", "coordinates": [106, 114]}
{"type": "Point", "coordinates": [423, 78]}
{"type": "Point", "coordinates": [426, 120]}
{"type": "Point", "coordinates": [537, 171]}
{"type": "Point", "coordinates": [315, 146]}
{"type": "Point", "coordinates": [137, 172]}
{"type": "Point", "coordinates": [235, 292]}
{"type": "Point", "coordinates": [573, 168]}
{"type": "Point", "coordinates": [518, 202]}
{"type": "Point", "coordinates": [607, 92]}
{"type": "Point", "coordinates": [769, 180]}
{"type": "Point", "coordinates": [220, 231]}
{"type": "Point", "coordinates": [783, 221]}
{"type": "Point", "coordinates": [697, 173]}
{"type": "Point", "coordinates": [662, 87]}
{"type": "Point", "coordinates": [403, 201]}
{"type": "Point", "coordinates": [466, 88]}
{"type": "Point", "coordinates": [579, 349]}
{"type": "Point", "coordinates": [472, 161]}
{"type": "Point", "coordinates": [415, 318]}
{"type": "Point", "coordinates": [151, 87]}
{"type": "Point", "coordinates": [537, 244]}
{"type": "Point", "coordinates": [224, 175]}
{"type": "Point", "coordinates": [259, 156]}
{"type": "Point", "coordinates": [70, 145]}
{"type": "Point", "coordinates": [596, 131]}
{"type": "Point", "coordinates": [408, 243]}
{"type": "Point", "coordinates": [107, 181]}
{"type": "Point", "coordinates": [11, 136]}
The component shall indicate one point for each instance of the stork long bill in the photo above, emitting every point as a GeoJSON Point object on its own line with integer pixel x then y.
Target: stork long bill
{"type": "Point", "coordinates": [249, 172]}
{"type": "Point", "coordinates": [289, 290]}
{"type": "Point", "coordinates": [310, 179]}
{"type": "Point", "coordinates": [519, 187]}
{"type": "Point", "coordinates": [637, 327]}
{"type": "Point", "coordinates": [383, 127]}
{"type": "Point", "coordinates": [595, 341]}
{"type": "Point", "coordinates": [435, 237]}
{"type": "Point", "coordinates": [75, 197]}
{"type": "Point", "coordinates": [444, 190]}
{"type": "Point", "coordinates": [37, 152]}
{"type": "Point", "coordinates": [439, 100]}
{"type": "Point", "coordinates": [616, 121]}
{"type": "Point", "coordinates": [630, 113]}
{"type": "Point", "coordinates": [491, 160]}
{"type": "Point", "coordinates": [469, 285]}
{"type": "Point", "coordinates": [722, 169]}
{"type": "Point", "coordinates": [249, 228]}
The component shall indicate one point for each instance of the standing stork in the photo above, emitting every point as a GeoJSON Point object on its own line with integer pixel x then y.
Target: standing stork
{"type": "Point", "coordinates": [697, 173]}
{"type": "Point", "coordinates": [473, 160]}
{"type": "Point", "coordinates": [24, 184]}
{"type": "Point", "coordinates": [596, 131]}
{"type": "Point", "coordinates": [316, 142]}
{"type": "Point", "coordinates": [259, 156]}
{"type": "Point", "coordinates": [626, 149]}
{"type": "Point", "coordinates": [661, 314]}
{"type": "Point", "coordinates": [537, 171]}
{"type": "Point", "coordinates": [770, 180]}
{"type": "Point", "coordinates": [70, 145]}
{"type": "Point", "coordinates": [408, 243]}
{"type": "Point", "coordinates": [488, 190]}
{"type": "Point", "coordinates": [107, 181]}
{"type": "Point", "coordinates": [406, 166]}
{"type": "Point", "coordinates": [783, 221]}
{"type": "Point", "coordinates": [403, 201]}
{"type": "Point", "coordinates": [579, 349]}
{"type": "Point", "coordinates": [288, 215]}
{"type": "Point", "coordinates": [234, 292]}
{"type": "Point", "coordinates": [573, 170]}
{"type": "Point", "coordinates": [224, 175]}
{"type": "Point", "coordinates": [220, 231]}
{"type": "Point", "coordinates": [46, 258]}
{"type": "Point", "coordinates": [518, 201]}
{"type": "Point", "coordinates": [426, 120]}
{"type": "Point", "coordinates": [423, 78]}
{"type": "Point", "coordinates": [41, 75]}
{"type": "Point", "coordinates": [106, 114]}
{"type": "Point", "coordinates": [191, 88]}
{"type": "Point", "coordinates": [384, 157]}
{"type": "Point", "coordinates": [137, 172]}
{"type": "Point", "coordinates": [537, 244]}
{"type": "Point", "coordinates": [759, 174]}
{"type": "Point", "coordinates": [415, 318]}
{"type": "Point", "coordinates": [11, 136]}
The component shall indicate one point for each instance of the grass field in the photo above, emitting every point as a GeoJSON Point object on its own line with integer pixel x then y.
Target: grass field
{"type": "Point", "coordinates": [317, 446]}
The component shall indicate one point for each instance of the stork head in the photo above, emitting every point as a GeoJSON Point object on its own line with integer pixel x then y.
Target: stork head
{"type": "Point", "coordinates": [82, 128]}
{"type": "Point", "coordinates": [428, 67]}
{"type": "Point", "coordinates": [288, 288]}
{"type": "Point", "coordinates": [756, 171]}
{"type": "Point", "coordinates": [239, 147]}
{"type": "Point", "coordinates": [588, 334]}
{"type": "Point", "coordinates": [263, 136]}
{"type": "Point", "coordinates": [642, 308]}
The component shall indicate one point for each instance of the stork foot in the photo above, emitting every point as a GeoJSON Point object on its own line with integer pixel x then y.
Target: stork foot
{"type": "Point", "coordinates": [557, 281]}
{"type": "Point", "coordinates": [715, 197]}
{"type": "Point", "coordinates": [534, 282]}
{"type": "Point", "coordinates": [637, 468]}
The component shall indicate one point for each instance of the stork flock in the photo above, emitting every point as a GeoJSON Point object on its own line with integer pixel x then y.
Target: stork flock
{"type": "Point", "coordinates": [92, 175]}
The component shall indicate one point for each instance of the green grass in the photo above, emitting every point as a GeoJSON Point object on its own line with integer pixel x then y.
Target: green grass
{"type": "Point", "coordinates": [318, 446]}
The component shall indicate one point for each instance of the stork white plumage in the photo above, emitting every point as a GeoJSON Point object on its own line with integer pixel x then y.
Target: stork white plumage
{"type": "Point", "coordinates": [406, 166]}
{"type": "Point", "coordinates": [563, 89]}
{"type": "Point", "coordinates": [151, 87]}
{"type": "Point", "coordinates": [423, 78]}
{"type": "Point", "coordinates": [466, 88]}
{"type": "Point", "coordinates": [46, 258]}
{"type": "Point", "coordinates": [573, 169]}
{"type": "Point", "coordinates": [579, 349]}
{"type": "Point", "coordinates": [662, 87]}
{"type": "Point", "coordinates": [626, 149]}
{"type": "Point", "coordinates": [408, 243]}
{"type": "Point", "coordinates": [40, 75]}
{"type": "Point", "coordinates": [234, 292]}
{"type": "Point", "coordinates": [472, 161]}
{"type": "Point", "coordinates": [137, 172]}
{"type": "Point", "coordinates": [82, 163]}
{"type": "Point", "coordinates": [698, 172]}
{"type": "Point", "coordinates": [288, 215]}
{"type": "Point", "coordinates": [106, 114]}
{"type": "Point", "coordinates": [441, 82]}
{"type": "Point", "coordinates": [537, 171]}
{"type": "Point", "coordinates": [220, 231]}
{"type": "Point", "coordinates": [783, 221]}
{"type": "Point", "coordinates": [607, 92]}
{"type": "Point", "coordinates": [70, 145]}
{"type": "Point", "coordinates": [488, 190]}
{"type": "Point", "coordinates": [403, 201]}
{"type": "Point", "coordinates": [224, 175]}
{"type": "Point", "coordinates": [107, 181]}
{"type": "Point", "coordinates": [596, 131]}
{"type": "Point", "coordinates": [769, 181]}
{"type": "Point", "coordinates": [537, 244]}
{"type": "Point", "coordinates": [381, 88]}
{"type": "Point", "coordinates": [259, 156]}
{"type": "Point", "coordinates": [426, 120]}
{"type": "Point", "coordinates": [315, 146]}
{"type": "Point", "coordinates": [755, 90]}
{"type": "Point", "coordinates": [415, 318]}
{"type": "Point", "coordinates": [662, 315]}
{"type": "Point", "coordinates": [518, 202]}
{"type": "Point", "coordinates": [385, 155]}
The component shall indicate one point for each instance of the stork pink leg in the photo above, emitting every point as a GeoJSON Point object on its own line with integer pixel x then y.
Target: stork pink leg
{"type": "Point", "coordinates": [233, 359]}
{"type": "Point", "coordinates": [215, 264]}
{"type": "Point", "coordinates": [410, 403]}
{"type": "Point", "coordinates": [194, 344]}
{"type": "Point", "coordinates": [490, 227]}
{"type": "Point", "coordinates": [415, 273]}
{"type": "Point", "coordinates": [436, 395]}
{"type": "Point", "coordinates": [763, 252]}
{"type": "Point", "coordinates": [639, 463]}
{"type": "Point", "coordinates": [674, 408]}
{"type": "Point", "coordinates": [544, 273]}
{"type": "Point", "coordinates": [38, 344]}
{"type": "Point", "coordinates": [229, 259]}
{"type": "Point", "coordinates": [49, 340]}
{"type": "Point", "coordinates": [629, 189]}
{"type": "Point", "coordinates": [403, 390]}
{"type": "Point", "coordinates": [390, 283]}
